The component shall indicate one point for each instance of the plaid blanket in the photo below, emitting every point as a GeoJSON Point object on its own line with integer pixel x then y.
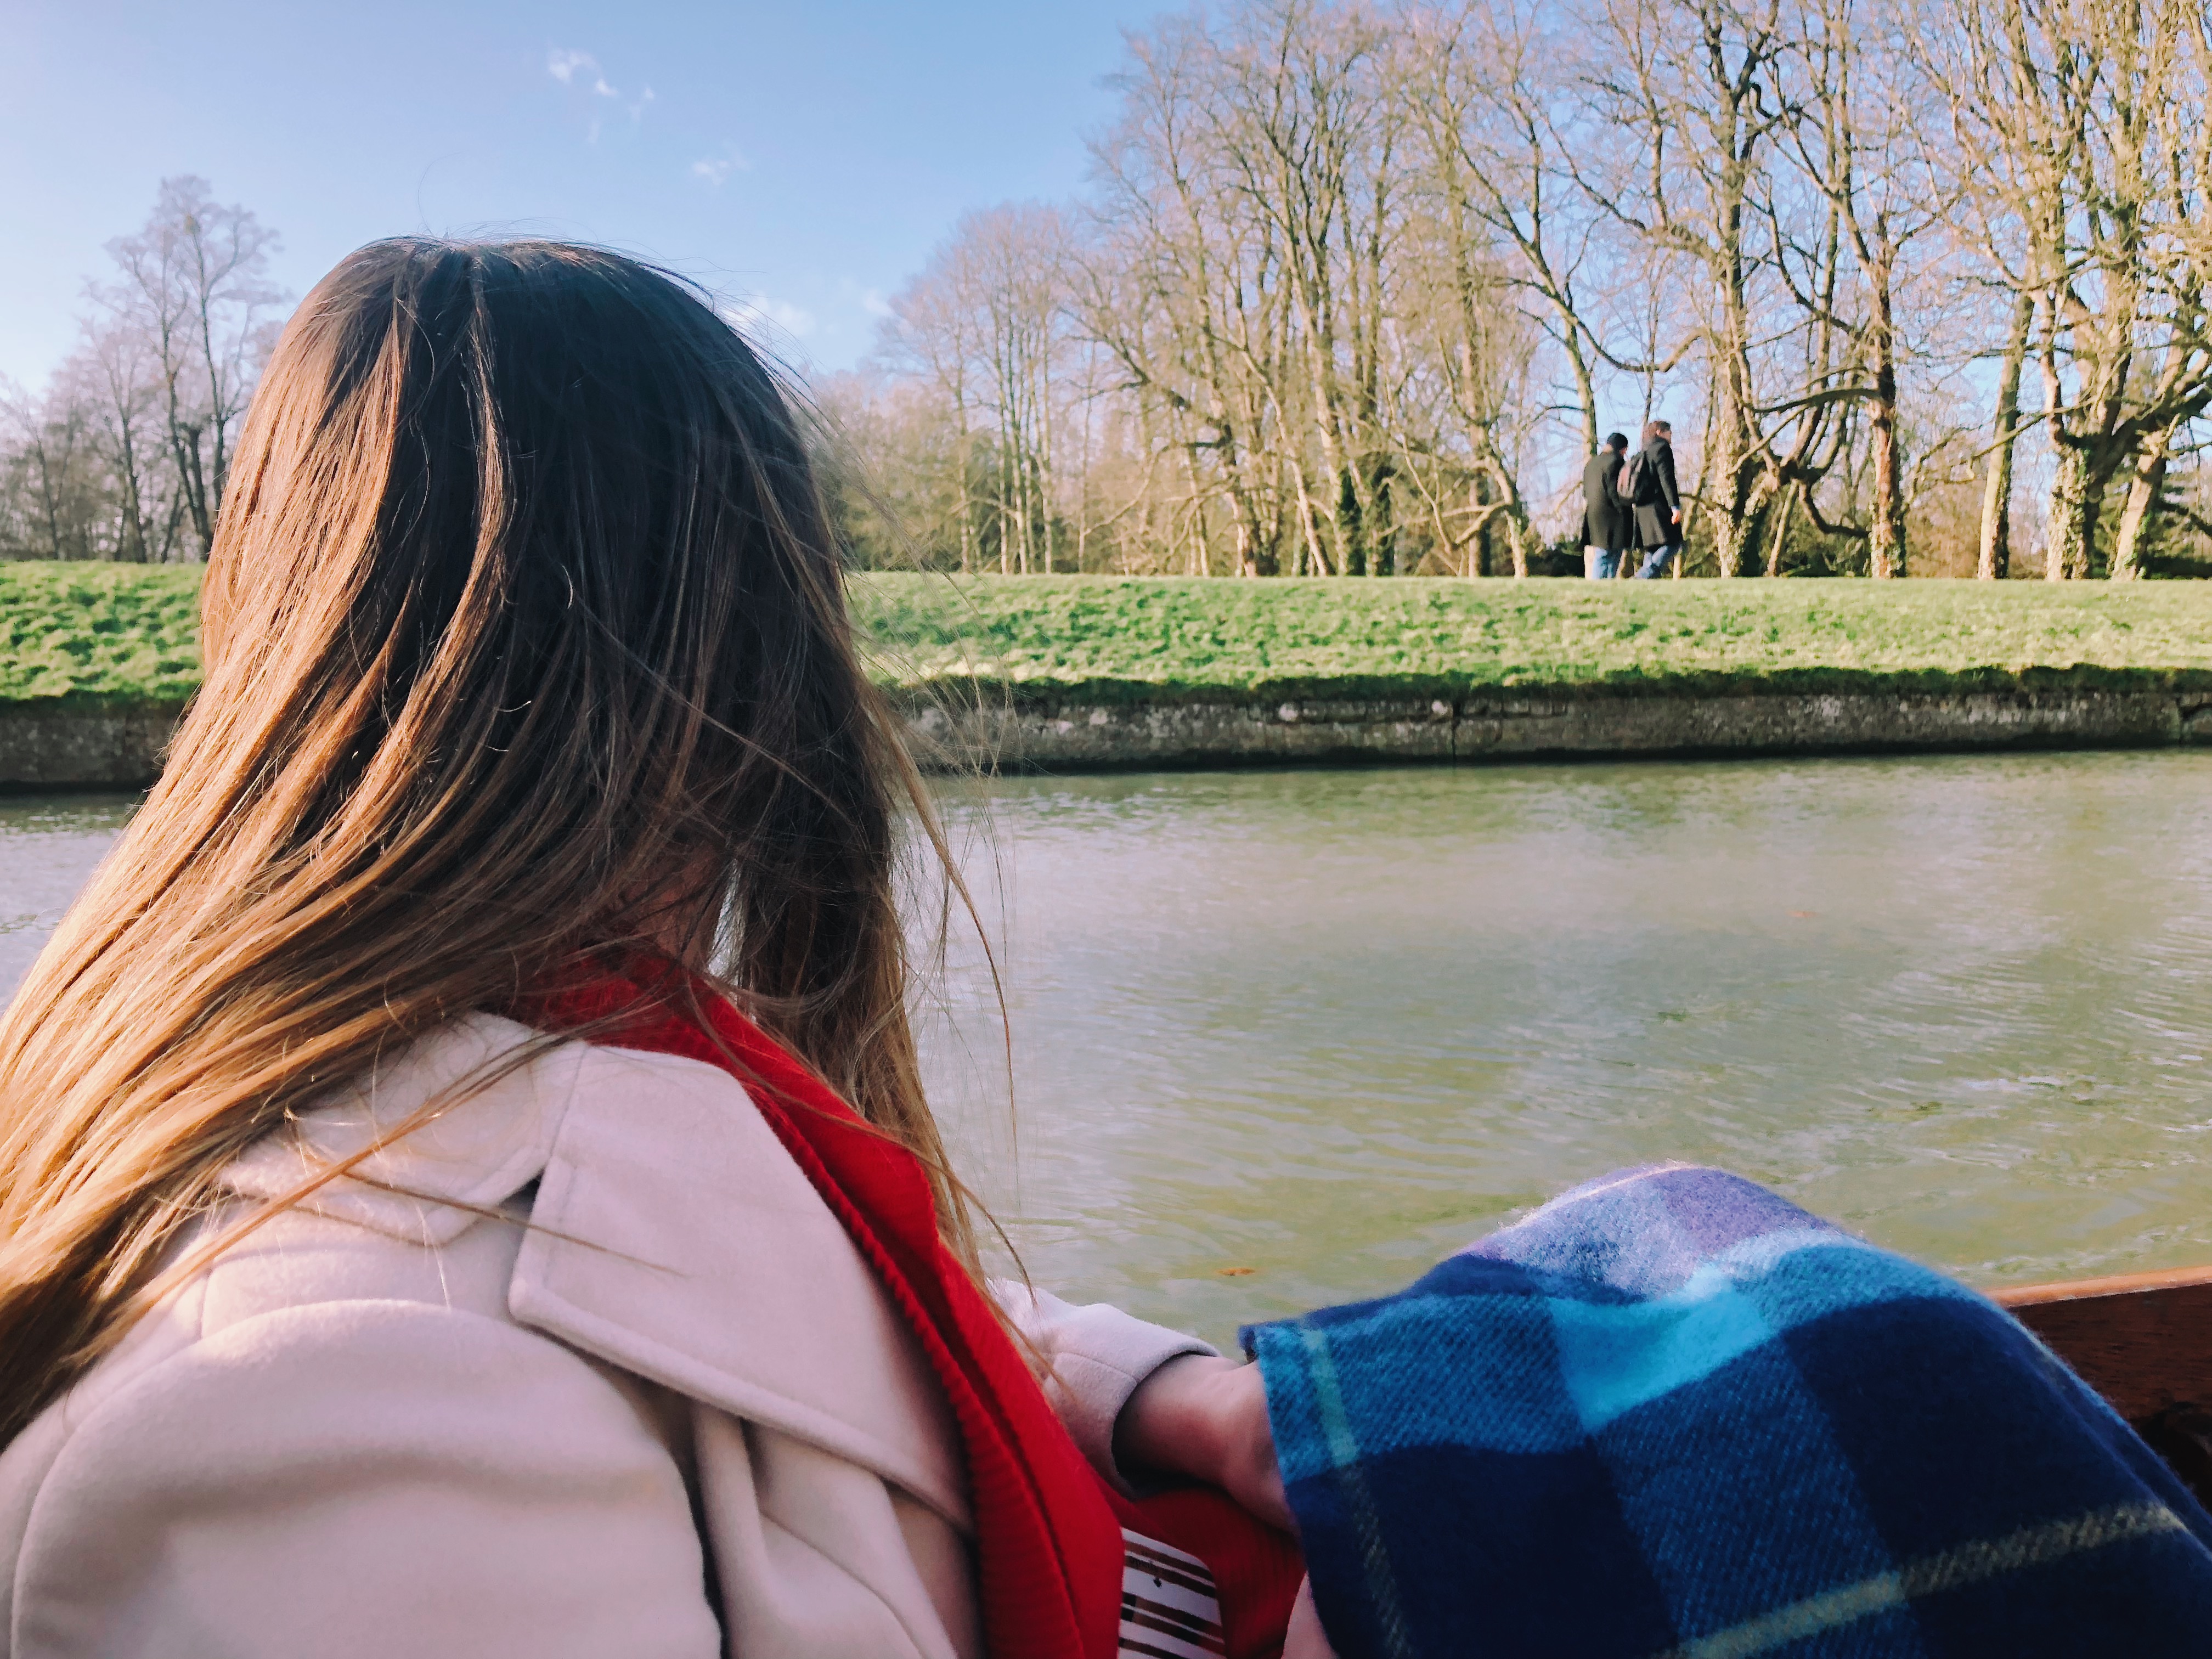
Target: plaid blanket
{"type": "Point", "coordinates": [1671, 1414]}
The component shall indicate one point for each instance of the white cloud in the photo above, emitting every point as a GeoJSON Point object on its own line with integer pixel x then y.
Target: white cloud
{"type": "Point", "coordinates": [716, 168]}
{"type": "Point", "coordinates": [873, 301]}
{"type": "Point", "coordinates": [754, 311]}
{"type": "Point", "coordinates": [580, 69]}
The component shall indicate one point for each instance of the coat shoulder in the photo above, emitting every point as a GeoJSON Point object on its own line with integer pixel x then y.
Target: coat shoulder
{"type": "Point", "coordinates": [430, 1239]}
{"type": "Point", "coordinates": [338, 1466]}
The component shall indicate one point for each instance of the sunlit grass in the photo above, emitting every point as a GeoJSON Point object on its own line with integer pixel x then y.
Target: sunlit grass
{"type": "Point", "coordinates": [1161, 636]}
{"type": "Point", "coordinates": [87, 635]}
{"type": "Point", "coordinates": [93, 635]}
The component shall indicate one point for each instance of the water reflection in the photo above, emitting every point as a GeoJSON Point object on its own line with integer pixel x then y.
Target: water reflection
{"type": "Point", "coordinates": [1327, 1025]}
{"type": "Point", "coordinates": [48, 846]}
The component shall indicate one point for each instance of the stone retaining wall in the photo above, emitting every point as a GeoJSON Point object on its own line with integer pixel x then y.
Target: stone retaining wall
{"type": "Point", "coordinates": [123, 749]}
{"type": "Point", "coordinates": [1540, 727]}
{"type": "Point", "coordinates": [77, 751]}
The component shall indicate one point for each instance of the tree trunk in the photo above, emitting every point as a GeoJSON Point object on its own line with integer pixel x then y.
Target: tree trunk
{"type": "Point", "coordinates": [1044, 468]}
{"type": "Point", "coordinates": [184, 443]}
{"type": "Point", "coordinates": [964, 465]}
{"type": "Point", "coordinates": [1256, 550]}
{"type": "Point", "coordinates": [1351, 531]}
{"type": "Point", "coordinates": [1886, 535]}
{"type": "Point", "coordinates": [2148, 478]}
{"type": "Point", "coordinates": [2075, 502]}
{"type": "Point", "coordinates": [1382, 523]}
{"type": "Point", "coordinates": [1993, 561]}
{"type": "Point", "coordinates": [1000, 486]}
{"type": "Point", "coordinates": [1779, 540]}
{"type": "Point", "coordinates": [1700, 499]}
{"type": "Point", "coordinates": [1309, 537]}
{"type": "Point", "coordinates": [1735, 539]}
{"type": "Point", "coordinates": [1479, 498]}
{"type": "Point", "coordinates": [1333, 463]}
{"type": "Point", "coordinates": [1585, 386]}
{"type": "Point", "coordinates": [131, 547]}
{"type": "Point", "coordinates": [1202, 539]}
{"type": "Point", "coordinates": [49, 501]}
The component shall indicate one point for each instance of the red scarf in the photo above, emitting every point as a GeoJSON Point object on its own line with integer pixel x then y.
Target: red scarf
{"type": "Point", "coordinates": [1048, 1544]}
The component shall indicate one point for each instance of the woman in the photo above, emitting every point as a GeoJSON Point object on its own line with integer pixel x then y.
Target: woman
{"type": "Point", "coordinates": [465, 1179]}
{"type": "Point", "coordinates": [1656, 500]}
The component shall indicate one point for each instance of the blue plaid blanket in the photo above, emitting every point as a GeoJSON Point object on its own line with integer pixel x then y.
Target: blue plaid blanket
{"type": "Point", "coordinates": [1671, 1414]}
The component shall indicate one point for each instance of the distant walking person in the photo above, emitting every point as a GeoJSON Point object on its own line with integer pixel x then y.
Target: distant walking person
{"type": "Point", "coordinates": [1608, 526]}
{"type": "Point", "coordinates": [1658, 502]}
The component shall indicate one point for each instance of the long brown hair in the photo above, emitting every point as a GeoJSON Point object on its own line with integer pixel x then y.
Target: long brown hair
{"type": "Point", "coordinates": [524, 637]}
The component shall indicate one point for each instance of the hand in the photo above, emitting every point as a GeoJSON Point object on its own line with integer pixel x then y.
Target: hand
{"type": "Point", "coordinates": [1207, 1418]}
{"type": "Point", "coordinates": [1678, 515]}
{"type": "Point", "coordinates": [1305, 1640]}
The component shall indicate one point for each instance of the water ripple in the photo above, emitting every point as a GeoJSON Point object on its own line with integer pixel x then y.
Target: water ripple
{"type": "Point", "coordinates": [1330, 1024]}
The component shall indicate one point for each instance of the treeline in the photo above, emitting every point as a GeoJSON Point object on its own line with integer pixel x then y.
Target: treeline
{"type": "Point", "coordinates": [1357, 285]}
{"type": "Point", "coordinates": [125, 453]}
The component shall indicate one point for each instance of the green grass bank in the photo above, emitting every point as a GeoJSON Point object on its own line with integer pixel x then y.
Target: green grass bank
{"type": "Point", "coordinates": [99, 636]}
{"type": "Point", "coordinates": [1104, 639]}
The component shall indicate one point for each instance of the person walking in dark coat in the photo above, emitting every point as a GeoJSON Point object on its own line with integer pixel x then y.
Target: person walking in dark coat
{"type": "Point", "coordinates": [1657, 500]}
{"type": "Point", "coordinates": [1608, 527]}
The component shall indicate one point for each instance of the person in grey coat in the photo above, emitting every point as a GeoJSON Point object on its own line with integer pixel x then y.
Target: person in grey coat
{"type": "Point", "coordinates": [1657, 500]}
{"type": "Point", "coordinates": [1608, 530]}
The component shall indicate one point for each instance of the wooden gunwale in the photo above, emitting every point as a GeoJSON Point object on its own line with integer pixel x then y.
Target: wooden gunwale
{"type": "Point", "coordinates": [2079, 1289]}
{"type": "Point", "coordinates": [2144, 1342]}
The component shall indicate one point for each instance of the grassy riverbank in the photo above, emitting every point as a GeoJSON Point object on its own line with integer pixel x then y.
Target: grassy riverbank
{"type": "Point", "coordinates": [84, 636]}
{"type": "Point", "coordinates": [98, 635]}
{"type": "Point", "coordinates": [1109, 639]}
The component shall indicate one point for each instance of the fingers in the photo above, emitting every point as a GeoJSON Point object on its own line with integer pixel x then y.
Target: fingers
{"type": "Point", "coordinates": [1305, 1639]}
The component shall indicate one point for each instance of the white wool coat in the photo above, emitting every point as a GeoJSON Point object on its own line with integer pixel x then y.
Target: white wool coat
{"type": "Point", "coordinates": [673, 1417]}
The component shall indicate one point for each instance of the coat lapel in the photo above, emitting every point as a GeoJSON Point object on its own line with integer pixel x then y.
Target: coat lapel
{"type": "Point", "coordinates": [671, 1235]}
{"type": "Point", "coordinates": [489, 1138]}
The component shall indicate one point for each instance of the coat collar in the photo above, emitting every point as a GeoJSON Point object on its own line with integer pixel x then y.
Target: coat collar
{"type": "Point", "coordinates": [432, 1185]}
{"type": "Point", "coordinates": [671, 1235]}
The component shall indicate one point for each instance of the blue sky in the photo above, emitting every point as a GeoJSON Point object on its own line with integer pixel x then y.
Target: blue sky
{"type": "Point", "coordinates": [809, 155]}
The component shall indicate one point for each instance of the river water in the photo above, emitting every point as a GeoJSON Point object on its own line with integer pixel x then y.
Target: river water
{"type": "Point", "coordinates": [1282, 1038]}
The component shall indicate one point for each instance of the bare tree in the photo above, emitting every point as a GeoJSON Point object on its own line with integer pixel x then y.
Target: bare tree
{"type": "Point", "coordinates": [1356, 282]}
{"type": "Point", "coordinates": [986, 326]}
{"type": "Point", "coordinates": [1310, 146]}
{"type": "Point", "coordinates": [194, 280]}
{"type": "Point", "coordinates": [54, 486]}
{"type": "Point", "coordinates": [1183, 290]}
{"type": "Point", "coordinates": [1993, 545]}
{"type": "Point", "coordinates": [1858, 110]}
{"type": "Point", "coordinates": [114, 375]}
{"type": "Point", "coordinates": [125, 453]}
{"type": "Point", "coordinates": [1694, 87]}
{"type": "Point", "coordinates": [2080, 126]}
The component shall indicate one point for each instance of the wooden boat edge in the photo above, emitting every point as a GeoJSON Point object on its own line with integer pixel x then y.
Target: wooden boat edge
{"type": "Point", "coordinates": [2144, 1342]}
{"type": "Point", "coordinates": [2081, 1289]}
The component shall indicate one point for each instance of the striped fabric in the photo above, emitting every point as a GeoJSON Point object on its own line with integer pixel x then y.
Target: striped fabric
{"type": "Point", "coordinates": [1672, 1416]}
{"type": "Point", "coordinates": [1169, 1607]}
